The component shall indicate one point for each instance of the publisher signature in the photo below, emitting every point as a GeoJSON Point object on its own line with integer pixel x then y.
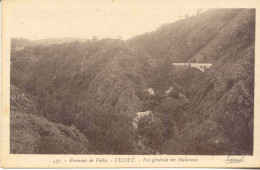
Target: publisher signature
{"type": "Point", "coordinates": [230, 160]}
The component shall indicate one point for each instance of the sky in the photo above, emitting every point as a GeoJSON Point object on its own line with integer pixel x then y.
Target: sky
{"type": "Point", "coordinates": [85, 19]}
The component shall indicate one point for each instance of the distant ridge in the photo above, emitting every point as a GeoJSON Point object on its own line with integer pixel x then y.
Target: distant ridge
{"type": "Point", "coordinates": [56, 40]}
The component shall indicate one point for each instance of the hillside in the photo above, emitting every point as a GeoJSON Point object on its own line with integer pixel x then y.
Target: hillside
{"type": "Point", "coordinates": [103, 72]}
{"type": "Point", "coordinates": [201, 38]}
{"type": "Point", "coordinates": [31, 133]}
{"type": "Point", "coordinates": [98, 86]}
{"type": "Point", "coordinates": [223, 95]}
{"type": "Point", "coordinates": [89, 85]}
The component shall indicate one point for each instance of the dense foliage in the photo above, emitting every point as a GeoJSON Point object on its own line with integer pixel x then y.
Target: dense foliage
{"type": "Point", "coordinates": [93, 88]}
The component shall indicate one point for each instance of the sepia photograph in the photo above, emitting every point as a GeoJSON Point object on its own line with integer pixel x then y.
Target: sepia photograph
{"type": "Point", "coordinates": [123, 77]}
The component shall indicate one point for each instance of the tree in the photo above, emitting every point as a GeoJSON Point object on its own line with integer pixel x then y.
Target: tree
{"type": "Point", "coordinates": [153, 131]}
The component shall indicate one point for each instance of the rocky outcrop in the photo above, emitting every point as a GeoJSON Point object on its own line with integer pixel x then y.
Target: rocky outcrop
{"type": "Point", "coordinates": [169, 90]}
{"type": "Point", "coordinates": [150, 91]}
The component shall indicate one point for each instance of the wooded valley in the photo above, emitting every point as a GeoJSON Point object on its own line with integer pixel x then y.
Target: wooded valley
{"type": "Point", "coordinates": [80, 96]}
